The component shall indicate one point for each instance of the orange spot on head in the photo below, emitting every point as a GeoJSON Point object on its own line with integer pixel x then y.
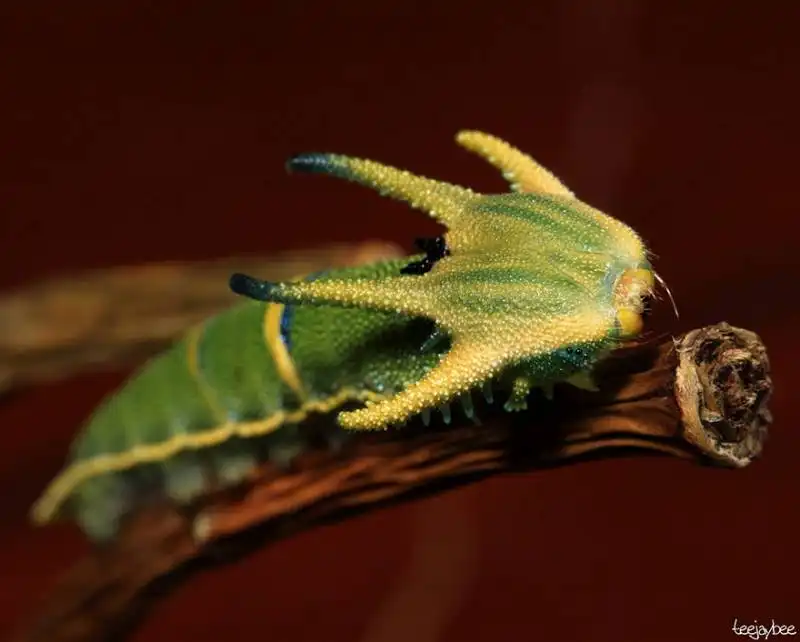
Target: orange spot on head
{"type": "Point", "coordinates": [632, 285]}
{"type": "Point", "coordinates": [631, 288]}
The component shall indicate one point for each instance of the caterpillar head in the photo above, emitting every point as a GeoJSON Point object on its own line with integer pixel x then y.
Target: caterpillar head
{"type": "Point", "coordinates": [526, 274]}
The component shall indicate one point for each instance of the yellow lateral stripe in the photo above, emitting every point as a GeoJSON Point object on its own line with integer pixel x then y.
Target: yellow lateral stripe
{"type": "Point", "coordinates": [55, 494]}
{"type": "Point", "coordinates": [193, 364]}
{"type": "Point", "coordinates": [277, 349]}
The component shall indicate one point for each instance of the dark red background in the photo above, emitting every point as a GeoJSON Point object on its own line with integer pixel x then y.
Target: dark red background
{"type": "Point", "coordinates": [144, 131]}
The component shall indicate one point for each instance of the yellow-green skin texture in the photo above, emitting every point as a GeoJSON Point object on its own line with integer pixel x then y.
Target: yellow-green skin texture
{"type": "Point", "coordinates": [536, 288]}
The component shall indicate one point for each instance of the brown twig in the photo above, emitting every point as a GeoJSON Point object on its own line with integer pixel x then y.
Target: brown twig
{"type": "Point", "coordinates": [118, 316]}
{"type": "Point", "coordinates": [702, 397]}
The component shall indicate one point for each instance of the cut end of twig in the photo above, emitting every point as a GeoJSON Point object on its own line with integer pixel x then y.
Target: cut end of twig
{"type": "Point", "coordinates": [723, 386]}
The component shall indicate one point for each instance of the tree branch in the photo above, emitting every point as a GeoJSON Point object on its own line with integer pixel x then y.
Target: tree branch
{"type": "Point", "coordinates": [702, 397]}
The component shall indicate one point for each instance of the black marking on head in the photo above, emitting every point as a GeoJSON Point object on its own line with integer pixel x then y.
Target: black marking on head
{"type": "Point", "coordinates": [647, 305]}
{"type": "Point", "coordinates": [435, 249]}
{"type": "Point", "coordinates": [251, 287]}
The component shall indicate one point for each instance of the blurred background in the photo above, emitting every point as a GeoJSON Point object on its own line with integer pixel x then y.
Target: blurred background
{"type": "Point", "coordinates": [141, 131]}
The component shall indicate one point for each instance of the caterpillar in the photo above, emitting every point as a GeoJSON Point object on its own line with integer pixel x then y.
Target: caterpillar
{"type": "Point", "coordinates": [525, 289]}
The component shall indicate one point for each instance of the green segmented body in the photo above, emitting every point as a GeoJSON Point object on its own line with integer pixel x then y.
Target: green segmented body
{"type": "Point", "coordinates": [533, 288]}
{"type": "Point", "coordinates": [208, 410]}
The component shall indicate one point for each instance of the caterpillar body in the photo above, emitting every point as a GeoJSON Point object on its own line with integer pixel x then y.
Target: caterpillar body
{"type": "Point", "coordinates": [525, 289]}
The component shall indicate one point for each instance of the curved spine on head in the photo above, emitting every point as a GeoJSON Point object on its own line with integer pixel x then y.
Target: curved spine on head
{"type": "Point", "coordinates": [519, 169]}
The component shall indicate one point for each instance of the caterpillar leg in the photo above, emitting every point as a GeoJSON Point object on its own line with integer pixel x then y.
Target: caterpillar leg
{"type": "Point", "coordinates": [520, 389]}
{"type": "Point", "coordinates": [584, 381]}
{"type": "Point", "coordinates": [519, 169]}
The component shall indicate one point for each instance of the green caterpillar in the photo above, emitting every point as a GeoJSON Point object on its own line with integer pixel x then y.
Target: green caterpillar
{"type": "Point", "coordinates": [526, 288]}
